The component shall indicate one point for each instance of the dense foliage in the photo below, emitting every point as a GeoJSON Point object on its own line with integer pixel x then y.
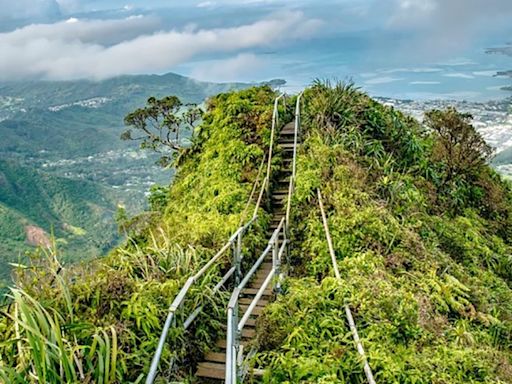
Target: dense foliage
{"type": "Point", "coordinates": [77, 213]}
{"type": "Point", "coordinates": [65, 132]}
{"type": "Point", "coordinates": [422, 241]}
{"type": "Point", "coordinates": [422, 245]}
{"type": "Point", "coordinates": [119, 303]}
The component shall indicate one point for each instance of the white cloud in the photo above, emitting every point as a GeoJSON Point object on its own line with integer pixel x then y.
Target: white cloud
{"type": "Point", "coordinates": [367, 75]}
{"type": "Point", "coordinates": [101, 49]}
{"type": "Point", "coordinates": [425, 82]}
{"type": "Point", "coordinates": [238, 68]}
{"type": "Point", "coordinates": [413, 70]}
{"type": "Point", "coordinates": [485, 73]}
{"type": "Point", "coordinates": [459, 75]}
{"type": "Point", "coordinates": [382, 80]}
{"type": "Point", "coordinates": [442, 27]}
{"type": "Point", "coordinates": [458, 62]}
{"type": "Point", "coordinates": [206, 4]}
{"type": "Point", "coordinates": [411, 12]}
{"type": "Point", "coordinates": [78, 32]}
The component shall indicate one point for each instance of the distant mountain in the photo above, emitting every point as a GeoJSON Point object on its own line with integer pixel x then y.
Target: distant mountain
{"type": "Point", "coordinates": [82, 117]}
{"type": "Point", "coordinates": [65, 166]}
{"type": "Point", "coordinates": [503, 157]}
{"type": "Point", "coordinates": [33, 205]}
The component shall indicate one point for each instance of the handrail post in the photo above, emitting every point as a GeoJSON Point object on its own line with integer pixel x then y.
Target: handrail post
{"type": "Point", "coordinates": [291, 187]}
{"type": "Point", "coordinates": [232, 338]}
{"type": "Point", "coordinates": [236, 343]}
{"type": "Point", "coordinates": [359, 345]}
{"type": "Point", "coordinates": [229, 347]}
{"type": "Point", "coordinates": [237, 256]}
{"type": "Point", "coordinates": [275, 262]}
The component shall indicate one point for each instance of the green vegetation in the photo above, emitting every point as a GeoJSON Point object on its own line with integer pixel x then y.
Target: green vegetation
{"type": "Point", "coordinates": [79, 214]}
{"type": "Point", "coordinates": [421, 230]}
{"type": "Point", "coordinates": [126, 295]}
{"type": "Point", "coordinates": [73, 130]}
{"type": "Point", "coordinates": [159, 124]}
{"type": "Point", "coordinates": [70, 131]}
{"type": "Point", "coordinates": [422, 246]}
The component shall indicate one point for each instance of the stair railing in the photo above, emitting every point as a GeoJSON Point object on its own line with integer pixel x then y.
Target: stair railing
{"type": "Point", "coordinates": [235, 368]}
{"type": "Point", "coordinates": [234, 350]}
{"type": "Point", "coordinates": [348, 312]}
{"type": "Point", "coordinates": [234, 242]}
{"type": "Point", "coordinates": [291, 187]}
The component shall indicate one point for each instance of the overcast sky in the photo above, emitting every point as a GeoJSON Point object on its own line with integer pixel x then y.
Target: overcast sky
{"type": "Point", "coordinates": [240, 39]}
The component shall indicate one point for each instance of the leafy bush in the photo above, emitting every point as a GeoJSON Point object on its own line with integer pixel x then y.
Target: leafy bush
{"type": "Point", "coordinates": [429, 288]}
{"type": "Point", "coordinates": [127, 294]}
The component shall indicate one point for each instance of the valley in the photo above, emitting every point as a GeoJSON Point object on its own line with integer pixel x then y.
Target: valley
{"type": "Point", "coordinates": [61, 153]}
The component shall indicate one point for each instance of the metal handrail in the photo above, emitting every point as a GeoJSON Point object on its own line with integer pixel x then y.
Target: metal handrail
{"type": "Point", "coordinates": [348, 312]}
{"type": "Point", "coordinates": [291, 187]}
{"type": "Point", "coordinates": [180, 297]}
{"type": "Point", "coordinates": [266, 181]}
{"type": "Point", "coordinates": [237, 236]}
{"type": "Point", "coordinates": [234, 356]}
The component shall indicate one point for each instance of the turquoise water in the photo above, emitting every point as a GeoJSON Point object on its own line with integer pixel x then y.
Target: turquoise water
{"type": "Point", "coordinates": [383, 67]}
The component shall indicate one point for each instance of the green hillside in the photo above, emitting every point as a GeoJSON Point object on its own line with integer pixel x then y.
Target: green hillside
{"type": "Point", "coordinates": [71, 130]}
{"type": "Point", "coordinates": [44, 115]}
{"type": "Point", "coordinates": [79, 214]}
{"type": "Point", "coordinates": [421, 227]}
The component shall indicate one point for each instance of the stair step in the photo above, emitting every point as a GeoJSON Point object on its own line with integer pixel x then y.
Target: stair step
{"type": "Point", "coordinates": [211, 370]}
{"type": "Point", "coordinates": [289, 125]}
{"type": "Point", "coordinates": [258, 282]}
{"type": "Point", "coordinates": [261, 275]}
{"type": "Point", "coordinates": [217, 357]}
{"type": "Point", "coordinates": [254, 291]}
{"type": "Point", "coordinates": [248, 333]}
{"type": "Point", "coordinates": [221, 343]}
{"type": "Point", "coordinates": [250, 323]}
{"type": "Point", "coordinates": [247, 300]}
{"type": "Point", "coordinates": [256, 311]}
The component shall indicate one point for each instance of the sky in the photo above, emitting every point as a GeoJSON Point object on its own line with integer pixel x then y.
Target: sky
{"type": "Point", "coordinates": [396, 48]}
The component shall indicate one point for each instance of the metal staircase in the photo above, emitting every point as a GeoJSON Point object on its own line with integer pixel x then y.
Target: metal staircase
{"type": "Point", "coordinates": [251, 292]}
{"type": "Point", "coordinates": [259, 285]}
{"type": "Point", "coordinates": [254, 290]}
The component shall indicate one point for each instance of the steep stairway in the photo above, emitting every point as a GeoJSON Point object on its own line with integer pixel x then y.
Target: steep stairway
{"type": "Point", "coordinates": [212, 369]}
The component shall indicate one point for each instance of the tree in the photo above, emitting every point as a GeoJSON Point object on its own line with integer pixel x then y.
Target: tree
{"type": "Point", "coordinates": [159, 124]}
{"type": "Point", "coordinates": [458, 146]}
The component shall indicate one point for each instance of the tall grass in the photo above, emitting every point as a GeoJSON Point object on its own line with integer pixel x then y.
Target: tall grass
{"type": "Point", "coordinates": [50, 345]}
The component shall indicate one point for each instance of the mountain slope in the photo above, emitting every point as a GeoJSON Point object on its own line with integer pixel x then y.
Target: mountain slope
{"type": "Point", "coordinates": [424, 256]}
{"type": "Point", "coordinates": [73, 118]}
{"type": "Point", "coordinates": [422, 237]}
{"type": "Point", "coordinates": [71, 130]}
{"type": "Point", "coordinates": [79, 213]}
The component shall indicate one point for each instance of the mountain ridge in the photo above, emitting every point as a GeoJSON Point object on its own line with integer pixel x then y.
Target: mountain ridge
{"type": "Point", "coordinates": [420, 225]}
